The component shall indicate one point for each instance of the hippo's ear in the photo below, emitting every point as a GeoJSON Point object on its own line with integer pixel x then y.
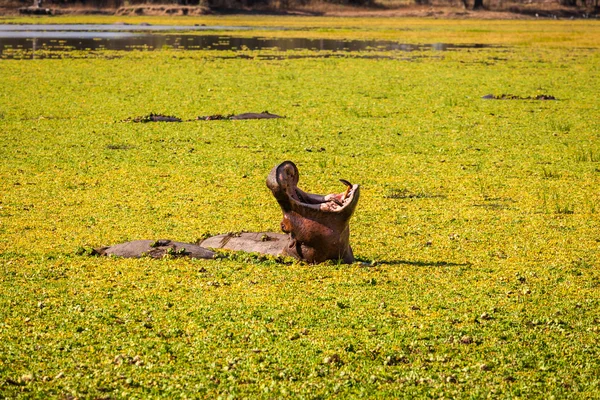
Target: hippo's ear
{"type": "Point", "coordinates": [281, 179]}
{"type": "Point", "coordinates": [287, 174]}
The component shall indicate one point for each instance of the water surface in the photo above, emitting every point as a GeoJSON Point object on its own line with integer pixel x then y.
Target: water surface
{"type": "Point", "coordinates": [43, 41]}
{"type": "Point", "coordinates": [4, 29]}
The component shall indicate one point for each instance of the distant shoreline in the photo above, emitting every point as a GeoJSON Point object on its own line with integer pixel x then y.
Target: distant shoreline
{"type": "Point", "coordinates": [516, 12]}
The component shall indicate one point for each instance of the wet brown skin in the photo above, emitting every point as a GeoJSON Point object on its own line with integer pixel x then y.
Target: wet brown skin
{"type": "Point", "coordinates": [317, 227]}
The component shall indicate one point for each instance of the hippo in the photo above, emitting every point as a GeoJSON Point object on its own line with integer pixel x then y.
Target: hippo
{"type": "Point", "coordinates": [152, 117]}
{"type": "Point", "coordinates": [316, 227]}
{"type": "Point", "coordinates": [262, 115]}
{"type": "Point", "coordinates": [155, 249]}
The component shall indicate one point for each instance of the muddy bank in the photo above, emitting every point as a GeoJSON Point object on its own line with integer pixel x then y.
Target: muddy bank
{"type": "Point", "coordinates": [508, 12]}
{"type": "Point", "coordinates": [171, 10]}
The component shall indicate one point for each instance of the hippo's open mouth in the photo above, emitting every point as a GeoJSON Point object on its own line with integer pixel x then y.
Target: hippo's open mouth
{"type": "Point", "coordinates": [283, 182]}
{"type": "Point", "coordinates": [335, 202]}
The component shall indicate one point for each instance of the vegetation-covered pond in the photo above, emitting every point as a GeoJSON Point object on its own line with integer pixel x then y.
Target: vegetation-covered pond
{"type": "Point", "coordinates": [477, 228]}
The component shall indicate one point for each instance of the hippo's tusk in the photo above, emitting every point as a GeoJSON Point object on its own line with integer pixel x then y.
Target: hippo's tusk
{"type": "Point", "coordinates": [345, 182]}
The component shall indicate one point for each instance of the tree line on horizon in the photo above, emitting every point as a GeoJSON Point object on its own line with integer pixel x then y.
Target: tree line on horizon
{"type": "Point", "coordinates": [290, 4]}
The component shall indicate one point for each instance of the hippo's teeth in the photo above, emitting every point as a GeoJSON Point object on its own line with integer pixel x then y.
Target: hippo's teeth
{"type": "Point", "coordinates": [346, 193]}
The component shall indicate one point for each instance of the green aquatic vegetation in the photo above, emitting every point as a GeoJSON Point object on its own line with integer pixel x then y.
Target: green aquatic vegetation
{"type": "Point", "coordinates": [476, 234]}
{"type": "Point", "coordinates": [587, 155]}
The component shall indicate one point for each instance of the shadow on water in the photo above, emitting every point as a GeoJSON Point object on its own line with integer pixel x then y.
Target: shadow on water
{"type": "Point", "coordinates": [53, 43]}
{"type": "Point", "coordinates": [415, 263]}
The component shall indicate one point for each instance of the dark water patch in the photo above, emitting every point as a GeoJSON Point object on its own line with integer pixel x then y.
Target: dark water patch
{"type": "Point", "coordinates": [273, 57]}
{"type": "Point", "coordinates": [46, 44]}
{"type": "Point", "coordinates": [117, 27]}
